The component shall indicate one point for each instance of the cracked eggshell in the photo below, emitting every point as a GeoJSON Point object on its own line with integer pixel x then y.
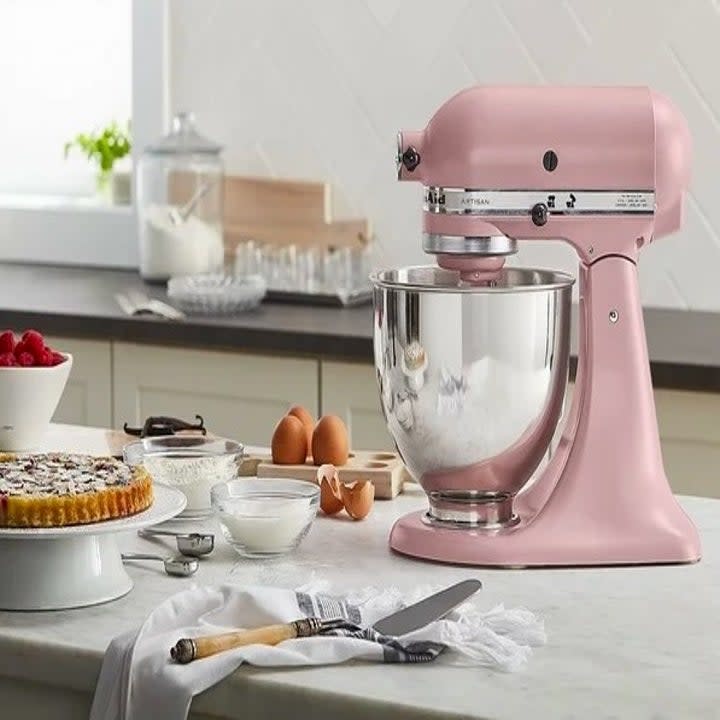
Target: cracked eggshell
{"type": "Point", "coordinates": [330, 500]}
{"type": "Point", "coordinates": [358, 498]}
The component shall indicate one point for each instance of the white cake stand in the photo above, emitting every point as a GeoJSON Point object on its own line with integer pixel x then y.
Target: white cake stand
{"type": "Point", "coordinates": [74, 566]}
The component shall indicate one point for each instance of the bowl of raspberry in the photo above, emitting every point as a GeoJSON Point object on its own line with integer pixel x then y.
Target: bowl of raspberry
{"type": "Point", "coordinates": [32, 379]}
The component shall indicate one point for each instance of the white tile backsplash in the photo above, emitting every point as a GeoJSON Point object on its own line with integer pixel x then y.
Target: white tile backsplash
{"type": "Point", "coordinates": [317, 89]}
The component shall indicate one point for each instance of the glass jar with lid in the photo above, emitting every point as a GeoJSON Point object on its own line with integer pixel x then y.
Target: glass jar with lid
{"type": "Point", "coordinates": [179, 204]}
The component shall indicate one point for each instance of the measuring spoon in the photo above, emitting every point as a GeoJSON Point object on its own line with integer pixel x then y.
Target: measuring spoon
{"type": "Point", "coordinates": [192, 544]}
{"type": "Point", "coordinates": [178, 565]}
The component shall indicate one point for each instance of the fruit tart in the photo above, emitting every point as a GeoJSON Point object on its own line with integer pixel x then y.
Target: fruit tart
{"type": "Point", "coordinates": [58, 489]}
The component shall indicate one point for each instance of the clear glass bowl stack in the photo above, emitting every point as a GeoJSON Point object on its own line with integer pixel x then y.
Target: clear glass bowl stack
{"type": "Point", "coordinates": [216, 294]}
{"type": "Point", "coordinates": [308, 271]}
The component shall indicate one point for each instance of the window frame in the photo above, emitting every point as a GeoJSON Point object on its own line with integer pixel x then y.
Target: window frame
{"type": "Point", "coordinates": [70, 234]}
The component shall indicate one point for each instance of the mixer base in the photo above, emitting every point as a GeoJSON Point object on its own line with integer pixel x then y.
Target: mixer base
{"type": "Point", "coordinates": [536, 545]}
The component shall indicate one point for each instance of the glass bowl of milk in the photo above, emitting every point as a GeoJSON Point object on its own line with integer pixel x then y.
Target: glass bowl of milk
{"type": "Point", "coordinates": [191, 463]}
{"type": "Point", "coordinates": [265, 517]}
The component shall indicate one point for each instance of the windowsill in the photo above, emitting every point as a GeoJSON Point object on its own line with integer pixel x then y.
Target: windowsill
{"type": "Point", "coordinates": [67, 231]}
{"type": "Point", "coordinates": [61, 203]}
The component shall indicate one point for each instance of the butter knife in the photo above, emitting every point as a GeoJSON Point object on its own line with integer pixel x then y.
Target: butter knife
{"type": "Point", "coordinates": [427, 610]}
{"type": "Point", "coordinates": [403, 621]}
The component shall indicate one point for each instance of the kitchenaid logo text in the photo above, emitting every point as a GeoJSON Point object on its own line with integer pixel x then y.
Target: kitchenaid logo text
{"type": "Point", "coordinates": [437, 198]}
{"type": "Point", "coordinates": [434, 197]}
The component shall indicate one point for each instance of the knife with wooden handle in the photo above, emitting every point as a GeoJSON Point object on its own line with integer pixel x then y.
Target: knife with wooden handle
{"type": "Point", "coordinates": [188, 649]}
{"type": "Point", "coordinates": [401, 622]}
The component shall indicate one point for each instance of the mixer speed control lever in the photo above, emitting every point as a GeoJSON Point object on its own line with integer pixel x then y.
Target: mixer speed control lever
{"type": "Point", "coordinates": [539, 213]}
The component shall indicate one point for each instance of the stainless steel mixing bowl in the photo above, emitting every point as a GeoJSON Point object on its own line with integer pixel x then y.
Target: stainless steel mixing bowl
{"type": "Point", "coordinates": [472, 381]}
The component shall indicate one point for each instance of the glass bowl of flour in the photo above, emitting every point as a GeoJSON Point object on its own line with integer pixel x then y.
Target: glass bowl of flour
{"type": "Point", "coordinates": [191, 463]}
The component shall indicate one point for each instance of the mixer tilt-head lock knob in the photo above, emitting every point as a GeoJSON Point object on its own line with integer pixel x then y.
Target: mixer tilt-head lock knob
{"type": "Point", "coordinates": [539, 213]}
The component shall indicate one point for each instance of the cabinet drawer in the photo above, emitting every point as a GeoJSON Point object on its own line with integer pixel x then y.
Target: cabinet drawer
{"type": "Point", "coordinates": [689, 425]}
{"type": "Point", "coordinates": [87, 399]}
{"type": "Point", "coordinates": [240, 396]}
{"type": "Point", "coordinates": [350, 390]}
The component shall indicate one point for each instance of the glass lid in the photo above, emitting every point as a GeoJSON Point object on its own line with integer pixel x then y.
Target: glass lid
{"type": "Point", "coordinates": [430, 278]}
{"type": "Point", "coordinates": [184, 139]}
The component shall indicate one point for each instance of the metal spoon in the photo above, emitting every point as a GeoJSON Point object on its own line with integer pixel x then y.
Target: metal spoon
{"type": "Point", "coordinates": [178, 565]}
{"type": "Point", "coordinates": [192, 544]}
{"type": "Point", "coordinates": [179, 215]}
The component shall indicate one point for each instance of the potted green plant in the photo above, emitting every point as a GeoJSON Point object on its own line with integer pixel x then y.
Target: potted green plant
{"type": "Point", "coordinates": [105, 148]}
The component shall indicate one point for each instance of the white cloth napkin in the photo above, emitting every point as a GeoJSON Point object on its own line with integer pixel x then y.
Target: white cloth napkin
{"type": "Point", "coordinates": [138, 681]}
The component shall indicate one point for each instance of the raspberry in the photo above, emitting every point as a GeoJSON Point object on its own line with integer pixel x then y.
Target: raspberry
{"type": "Point", "coordinates": [7, 342]}
{"type": "Point", "coordinates": [57, 358]}
{"type": "Point", "coordinates": [25, 359]}
{"type": "Point", "coordinates": [7, 359]}
{"type": "Point", "coordinates": [45, 359]}
{"type": "Point", "coordinates": [33, 342]}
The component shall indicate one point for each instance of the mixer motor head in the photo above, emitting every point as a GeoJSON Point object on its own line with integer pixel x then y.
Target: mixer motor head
{"type": "Point", "coordinates": [500, 164]}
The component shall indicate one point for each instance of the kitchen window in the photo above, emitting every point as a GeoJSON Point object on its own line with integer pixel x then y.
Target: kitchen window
{"type": "Point", "coordinates": [70, 68]}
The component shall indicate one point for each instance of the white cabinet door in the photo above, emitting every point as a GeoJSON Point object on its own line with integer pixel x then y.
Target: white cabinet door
{"type": "Point", "coordinates": [240, 396]}
{"type": "Point", "coordinates": [87, 399]}
{"type": "Point", "coordinates": [690, 432]}
{"type": "Point", "coordinates": [350, 390]}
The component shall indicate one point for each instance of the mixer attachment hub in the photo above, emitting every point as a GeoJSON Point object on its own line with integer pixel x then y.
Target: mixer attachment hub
{"type": "Point", "coordinates": [490, 246]}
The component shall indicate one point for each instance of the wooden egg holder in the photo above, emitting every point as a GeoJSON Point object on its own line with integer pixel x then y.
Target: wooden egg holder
{"type": "Point", "coordinates": [385, 470]}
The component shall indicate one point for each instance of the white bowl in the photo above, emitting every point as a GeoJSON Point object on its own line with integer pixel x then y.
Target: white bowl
{"type": "Point", "coordinates": [28, 399]}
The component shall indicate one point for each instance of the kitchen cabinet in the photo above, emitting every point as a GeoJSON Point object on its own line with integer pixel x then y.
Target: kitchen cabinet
{"type": "Point", "coordinates": [350, 390]}
{"type": "Point", "coordinates": [242, 396]}
{"type": "Point", "coordinates": [239, 395]}
{"type": "Point", "coordinates": [690, 432]}
{"type": "Point", "coordinates": [87, 399]}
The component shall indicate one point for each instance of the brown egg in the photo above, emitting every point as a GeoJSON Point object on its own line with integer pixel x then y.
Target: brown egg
{"type": "Point", "coordinates": [358, 498]}
{"type": "Point", "coordinates": [289, 442]}
{"type": "Point", "coordinates": [306, 419]}
{"type": "Point", "coordinates": [330, 441]}
{"type": "Point", "coordinates": [330, 501]}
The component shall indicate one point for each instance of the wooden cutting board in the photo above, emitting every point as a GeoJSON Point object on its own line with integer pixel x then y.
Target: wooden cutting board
{"type": "Point", "coordinates": [276, 211]}
{"type": "Point", "coordinates": [384, 469]}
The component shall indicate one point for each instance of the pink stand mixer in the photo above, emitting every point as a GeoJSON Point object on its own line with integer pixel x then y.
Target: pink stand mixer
{"type": "Point", "coordinates": [472, 355]}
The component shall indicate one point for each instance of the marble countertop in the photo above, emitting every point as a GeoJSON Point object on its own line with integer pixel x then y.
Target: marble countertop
{"type": "Point", "coordinates": [633, 643]}
{"type": "Point", "coordinates": [79, 302]}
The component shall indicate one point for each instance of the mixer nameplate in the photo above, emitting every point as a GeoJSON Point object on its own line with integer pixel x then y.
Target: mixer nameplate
{"type": "Point", "coordinates": [459, 201]}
